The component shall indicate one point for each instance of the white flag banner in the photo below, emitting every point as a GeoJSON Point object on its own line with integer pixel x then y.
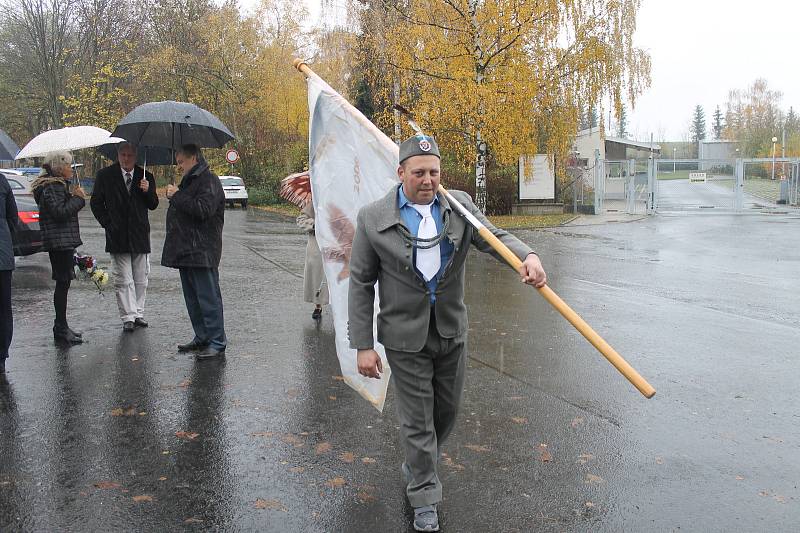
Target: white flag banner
{"type": "Point", "coordinates": [352, 164]}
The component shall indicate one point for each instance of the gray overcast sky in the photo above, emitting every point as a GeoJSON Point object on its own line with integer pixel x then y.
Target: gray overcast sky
{"type": "Point", "coordinates": [700, 50]}
{"type": "Point", "coordinates": [703, 48]}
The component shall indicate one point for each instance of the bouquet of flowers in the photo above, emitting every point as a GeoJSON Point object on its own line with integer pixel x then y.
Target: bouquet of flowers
{"type": "Point", "coordinates": [88, 270]}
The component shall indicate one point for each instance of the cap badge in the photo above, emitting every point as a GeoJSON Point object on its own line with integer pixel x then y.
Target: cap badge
{"type": "Point", "coordinates": [425, 145]}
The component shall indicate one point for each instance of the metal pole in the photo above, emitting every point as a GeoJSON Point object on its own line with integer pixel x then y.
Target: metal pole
{"type": "Point", "coordinates": [738, 200]}
{"type": "Point", "coordinates": [774, 140]}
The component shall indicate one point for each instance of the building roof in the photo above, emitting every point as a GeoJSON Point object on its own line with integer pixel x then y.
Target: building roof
{"type": "Point", "coordinates": [635, 144]}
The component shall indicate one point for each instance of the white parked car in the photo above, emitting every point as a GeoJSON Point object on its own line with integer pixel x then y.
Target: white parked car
{"type": "Point", "coordinates": [20, 184]}
{"type": "Point", "coordinates": [235, 191]}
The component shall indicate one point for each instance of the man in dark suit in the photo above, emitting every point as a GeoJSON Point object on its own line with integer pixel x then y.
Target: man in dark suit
{"type": "Point", "coordinates": [414, 245]}
{"type": "Point", "coordinates": [123, 194]}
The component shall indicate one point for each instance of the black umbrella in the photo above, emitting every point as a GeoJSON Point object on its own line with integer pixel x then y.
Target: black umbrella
{"type": "Point", "coordinates": [146, 155]}
{"type": "Point", "coordinates": [172, 124]}
{"type": "Point", "coordinates": [8, 148]}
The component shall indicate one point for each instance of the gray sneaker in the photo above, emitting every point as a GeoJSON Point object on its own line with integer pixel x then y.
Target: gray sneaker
{"type": "Point", "coordinates": [426, 518]}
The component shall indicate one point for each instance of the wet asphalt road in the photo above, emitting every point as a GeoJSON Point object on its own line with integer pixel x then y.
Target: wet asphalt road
{"type": "Point", "coordinates": [550, 438]}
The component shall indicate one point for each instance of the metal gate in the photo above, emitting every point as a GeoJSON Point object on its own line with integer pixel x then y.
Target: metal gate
{"type": "Point", "coordinates": [725, 185]}
{"type": "Point", "coordinates": [699, 185]}
{"type": "Point", "coordinates": [621, 186]}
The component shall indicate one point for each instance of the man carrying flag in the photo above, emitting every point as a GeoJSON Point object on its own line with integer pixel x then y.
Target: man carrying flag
{"type": "Point", "coordinates": [415, 245]}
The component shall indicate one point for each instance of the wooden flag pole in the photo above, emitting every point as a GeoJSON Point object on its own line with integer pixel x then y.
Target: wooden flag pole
{"type": "Point", "coordinates": [566, 311]}
{"type": "Point", "coordinates": [572, 317]}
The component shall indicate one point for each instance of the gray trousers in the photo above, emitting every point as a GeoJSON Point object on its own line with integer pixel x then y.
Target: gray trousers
{"type": "Point", "coordinates": [428, 386]}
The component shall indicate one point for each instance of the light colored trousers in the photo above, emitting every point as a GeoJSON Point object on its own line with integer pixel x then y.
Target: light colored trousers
{"type": "Point", "coordinates": [130, 281]}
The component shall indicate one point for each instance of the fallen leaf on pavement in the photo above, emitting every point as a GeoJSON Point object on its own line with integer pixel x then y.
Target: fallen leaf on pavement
{"type": "Point", "coordinates": [297, 470]}
{"type": "Point", "coordinates": [544, 454]}
{"type": "Point", "coordinates": [262, 434]}
{"type": "Point", "coordinates": [186, 435]}
{"type": "Point", "coordinates": [322, 447]}
{"type": "Point", "coordinates": [659, 460]}
{"type": "Point", "coordinates": [273, 505]}
{"type": "Point", "coordinates": [585, 458]}
{"type": "Point", "coordinates": [294, 440]}
{"type": "Point", "coordinates": [368, 460]}
{"type": "Point", "coordinates": [365, 497]}
{"type": "Point", "coordinates": [119, 411]}
{"type": "Point", "coordinates": [162, 478]}
{"type": "Point", "coordinates": [347, 457]}
{"type": "Point", "coordinates": [577, 421]}
{"type": "Point", "coordinates": [193, 520]}
{"type": "Point", "coordinates": [332, 398]}
{"type": "Point", "coordinates": [590, 478]}
{"type": "Point", "coordinates": [338, 378]}
{"type": "Point", "coordinates": [448, 462]}
{"type": "Point", "coordinates": [336, 482]}
{"type": "Point", "coordinates": [519, 420]}
{"type": "Point", "coordinates": [105, 485]}
{"type": "Point", "coordinates": [477, 448]}
{"type": "Point", "coordinates": [143, 498]}
{"type": "Point", "coordinates": [739, 478]}
{"type": "Point", "coordinates": [185, 383]}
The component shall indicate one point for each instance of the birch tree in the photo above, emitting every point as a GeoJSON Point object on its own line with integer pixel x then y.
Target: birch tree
{"type": "Point", "coordinates": [503, 78]}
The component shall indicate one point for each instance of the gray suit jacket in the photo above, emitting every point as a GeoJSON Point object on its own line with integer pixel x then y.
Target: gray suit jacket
{"type": "Point", "coordinates": [380, 255]}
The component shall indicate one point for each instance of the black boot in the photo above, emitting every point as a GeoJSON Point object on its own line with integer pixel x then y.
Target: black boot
{"type": "Point", "coordinates": [61, 332]}
{"type": "Point", "coordinates": [76, 333]}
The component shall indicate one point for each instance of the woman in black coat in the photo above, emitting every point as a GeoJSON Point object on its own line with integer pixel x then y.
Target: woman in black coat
{"type": "Point", "coordinates": [58, 219]}
{"type": "Point", "coordinates": [8, 223]}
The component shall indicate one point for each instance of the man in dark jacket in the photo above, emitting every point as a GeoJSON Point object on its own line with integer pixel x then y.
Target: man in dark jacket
{"type": "Point", "coordinates": [122, 195]}
{"type": "Point", "coordinates": [193, 245]}
{"type": "Point", "coordinates": [8, 223]}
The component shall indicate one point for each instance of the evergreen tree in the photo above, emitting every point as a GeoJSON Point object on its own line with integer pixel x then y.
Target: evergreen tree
{"type": "Point", "coordinates": [698, 128]}
{"type": "Point", "coordinates": [622, 122]}
{"type": "Point", "coordinates": [792, 122]}
{"type": "Point", "coordinates": [717, 126]}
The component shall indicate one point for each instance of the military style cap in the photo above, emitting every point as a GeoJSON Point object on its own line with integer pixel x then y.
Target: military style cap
{"type": "Point", "coordinates": [419, 144]}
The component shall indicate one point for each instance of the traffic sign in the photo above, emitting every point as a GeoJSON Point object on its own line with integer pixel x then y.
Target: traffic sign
{"type": "Point", "coordinates": [232, 156]}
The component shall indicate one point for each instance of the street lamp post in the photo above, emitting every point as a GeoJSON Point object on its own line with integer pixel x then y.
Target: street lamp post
{"type": "Point", "coordinates": [774, 140]}
{"type": "Point", "coordinates": [674, 149]}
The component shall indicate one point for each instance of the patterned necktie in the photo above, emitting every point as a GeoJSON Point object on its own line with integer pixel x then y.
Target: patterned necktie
{"type": "Point", "coordinates": [128, 180]}
{"type": "Point", "coordinates": [428, 260]}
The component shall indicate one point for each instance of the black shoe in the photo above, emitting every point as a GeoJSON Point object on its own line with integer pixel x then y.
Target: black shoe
{"type": "Point", "coordinates": [192, 346]}
{"type": "Point", "coordinates": [317, 314]}
{"type": "Point", "coordinates": [209, 353]}
{"type": "Point", "coordinates": [63, 333]}
{"type": "Point", "coordinates": [2, 366]}
{"type": "Point", "coordinates": [140, 323]}
{"type": "Point", "coordinates": [128, 326]}
{"type": "Point", "coordinates": [76, 333]}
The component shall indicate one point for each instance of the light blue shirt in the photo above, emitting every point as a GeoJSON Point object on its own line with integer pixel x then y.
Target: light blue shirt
{"type": "Point", "coordinates": [411, 218]}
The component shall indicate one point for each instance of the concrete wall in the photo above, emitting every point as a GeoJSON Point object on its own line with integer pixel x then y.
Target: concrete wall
{"type": "Point", "coordinates": [587, 142]}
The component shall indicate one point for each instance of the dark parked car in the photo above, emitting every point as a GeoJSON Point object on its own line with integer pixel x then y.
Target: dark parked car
{"type": "Point", "coordinates": [28, 236]}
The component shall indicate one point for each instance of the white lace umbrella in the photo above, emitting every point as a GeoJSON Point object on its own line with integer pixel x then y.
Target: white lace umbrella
{"type": "Point", "coordinates": [72, 138]}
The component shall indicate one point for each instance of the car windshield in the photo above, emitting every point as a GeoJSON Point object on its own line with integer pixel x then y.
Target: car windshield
{"type": "Point", "coordinates": [229, 182]}
{"type": "Point", "coordinates": [15, 185]}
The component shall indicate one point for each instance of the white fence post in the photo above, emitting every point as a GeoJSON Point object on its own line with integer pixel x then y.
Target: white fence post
{"type": "Point", "coordinates": [738, 201]}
